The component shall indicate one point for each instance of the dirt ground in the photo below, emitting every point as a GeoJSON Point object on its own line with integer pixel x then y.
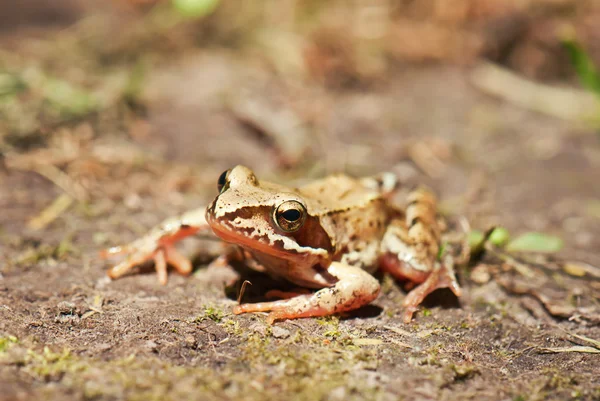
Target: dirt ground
{"type": "Point", "coordinates": [115, 117]}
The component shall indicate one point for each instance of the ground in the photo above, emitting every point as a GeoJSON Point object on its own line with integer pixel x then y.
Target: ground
{"type": "Point", "coordinates": [103, 138]}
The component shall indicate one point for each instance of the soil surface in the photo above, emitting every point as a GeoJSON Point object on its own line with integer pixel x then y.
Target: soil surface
{"type": "Point", "coordinates": [114, 119]}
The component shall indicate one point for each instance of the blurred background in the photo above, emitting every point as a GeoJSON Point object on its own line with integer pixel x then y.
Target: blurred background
{"type": "Point", "coordinates": [117, 114]}
{"type": "Point", "coordinates": [141, 103]}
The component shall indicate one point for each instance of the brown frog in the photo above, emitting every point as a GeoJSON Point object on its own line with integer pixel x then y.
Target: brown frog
{"type": "Point", "coordinates": [328, 235]}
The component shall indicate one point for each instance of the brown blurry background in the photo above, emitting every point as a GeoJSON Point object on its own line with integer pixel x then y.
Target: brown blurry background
{"type": "Point", "coordinates": [115, 115]}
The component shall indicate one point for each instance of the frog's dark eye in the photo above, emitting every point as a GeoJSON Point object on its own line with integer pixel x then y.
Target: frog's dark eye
{"type": "Point", "coordinates": [222, 180]}
{"type": "Point", "coordinates": [290, 216]}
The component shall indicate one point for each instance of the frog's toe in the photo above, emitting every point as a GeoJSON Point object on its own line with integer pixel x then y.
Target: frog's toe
{"type": "Point", "coordinates": [278, 316]}
{"type": "Point", "coordinates": [257, 307]}
{"type": "Point", "coordinates": [182, 264]}
{"type": "Point", "coordinates": [161, 256]}
{"type": "Point", "coordinates": [160, 264]}
{"type": "Point", "coordinates": [453, 285]}
{"type": "Point", "coordinates": [409, 311]}
{"type": "Point", "coordinates": [440, 278]}
{"type": "Point", "coordinates": [126, 265]}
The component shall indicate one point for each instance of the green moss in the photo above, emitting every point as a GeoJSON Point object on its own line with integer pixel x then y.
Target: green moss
{"type": "Point", "coordinates": [332, 326]}
{"type": "Point", "coordinates": [464, 371]}
{"type": "Point", "coordinates": [7, 342]}
{"type": "Point", "coordinates": [36, 254]}
{"type": "Point", "coordinates": [211, 313]}
{"type": "Point", "coordinates": [232, 326]}
{"type": "Point", "coordinates": [308, 369]}
{"type": "Point", "coordinates": [49, 365]}
{"type": "Point", "coordinates": [10, 84]}
{"type": "Point", "coordinates": [66, 99]}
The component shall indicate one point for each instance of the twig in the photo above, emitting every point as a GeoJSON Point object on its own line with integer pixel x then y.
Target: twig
{"type": "Point", "coordinates": [521, 268]}
{"type": "Point", "coordinates": [578, 348]}
{"type": "Point", "coordinates": [478, 250]}
{"type": "Point", "coordinates": [51, 213]}
{"type": "Point", "coordinates": [57, 177]}
{"type": "Point", "coordinates": [595, 343]}
{"type": "Point", "coordinates": [242, 290]}
{"type": "Point", "coordinates": [566, 103]}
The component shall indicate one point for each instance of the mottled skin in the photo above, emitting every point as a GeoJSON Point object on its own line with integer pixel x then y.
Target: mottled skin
{"type": "Point", "coordinates": [328, 235]}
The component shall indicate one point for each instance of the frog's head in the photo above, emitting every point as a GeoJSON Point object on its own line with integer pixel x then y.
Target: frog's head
{"type": "Point", "coordinates": [267, 218]}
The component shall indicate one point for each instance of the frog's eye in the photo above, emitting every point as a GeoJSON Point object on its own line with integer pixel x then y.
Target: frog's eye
{"type": "Point", "coordinates": [289, 216]}
{"type": "Point", "coordinates": [222, 182]}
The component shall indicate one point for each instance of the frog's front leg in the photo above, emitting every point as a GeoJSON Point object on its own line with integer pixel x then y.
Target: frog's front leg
{"type": "Point", "coordinates": [354, 288]}
{"type": "Point", "coordinates": [158, 245]}
{"type": "Point", "coordinates": [410, 251]}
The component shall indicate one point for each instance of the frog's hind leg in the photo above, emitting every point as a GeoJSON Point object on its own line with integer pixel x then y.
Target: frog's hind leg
{"type": "Point", "coordinates": [354, 288]}
{"type": "Point", "coordinates": [410, 251]}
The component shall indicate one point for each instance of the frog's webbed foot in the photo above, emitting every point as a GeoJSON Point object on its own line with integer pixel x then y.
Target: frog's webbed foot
{"type": "Point", "coordinates": [442, 277]}
{"type": "Point", "coordinates": [354, 288]}
{"type": "Point", "coordinates": [158, 246]}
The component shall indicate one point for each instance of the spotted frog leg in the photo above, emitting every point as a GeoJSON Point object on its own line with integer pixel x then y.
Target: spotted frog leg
{"type": "Point", "coordinates": [354, 288]}
{"type": "Point", "coordinates": [410, 250]}
{"type": "Point", "coordinates": [158, 245]}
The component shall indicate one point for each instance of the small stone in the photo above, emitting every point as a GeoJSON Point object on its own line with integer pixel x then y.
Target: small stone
{"type": "Point", "coordinates": [102, 282]}
{"type": "Point", "coordinates": [151, 345]}
{"type": "Point", "coordinates": [280, 332]}
{"type": "Point", "coordinates": [102, 347]}
{"type": "Point", "coordinates": [66, 308]}
{"type": "Point", "coordinates": [190, 341]}
{"type": "Point", "coordinates": [66, 318]}
{"type": "Point", "coordinates": [481, 274]}
{"type": "Point", "coordinates": [259, 328]}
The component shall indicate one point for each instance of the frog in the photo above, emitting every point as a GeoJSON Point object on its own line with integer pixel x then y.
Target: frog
{"type": "Point", "coordinates": [328, 236]}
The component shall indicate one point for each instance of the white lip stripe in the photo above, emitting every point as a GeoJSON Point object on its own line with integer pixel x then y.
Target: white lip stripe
{"type": "Point", "coordinates": [256, 229]}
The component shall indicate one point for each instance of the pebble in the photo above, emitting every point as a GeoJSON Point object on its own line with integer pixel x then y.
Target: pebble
{"type": "Point", "coordinates": [66, 308]}
{"type": "Point", "coordinates": [259, 328]}
{"type": "Point", "coordinates": [151, 345]}
{"type": "Point", "coordinates": [190, 341]}
{"type": "Point", "coordinates": [280, 332]}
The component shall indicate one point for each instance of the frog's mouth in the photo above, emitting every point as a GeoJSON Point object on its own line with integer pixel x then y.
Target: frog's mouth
{"type": "Point", "coordinates": [266, 243]}
{"type": "Point", "coordinates": [262, 244]}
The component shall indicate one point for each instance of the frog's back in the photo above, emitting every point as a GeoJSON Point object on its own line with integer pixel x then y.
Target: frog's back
{"type": "Point", "coordinates": [352, 214]}
{"type": "Point", "coordinates": [337, 192]}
